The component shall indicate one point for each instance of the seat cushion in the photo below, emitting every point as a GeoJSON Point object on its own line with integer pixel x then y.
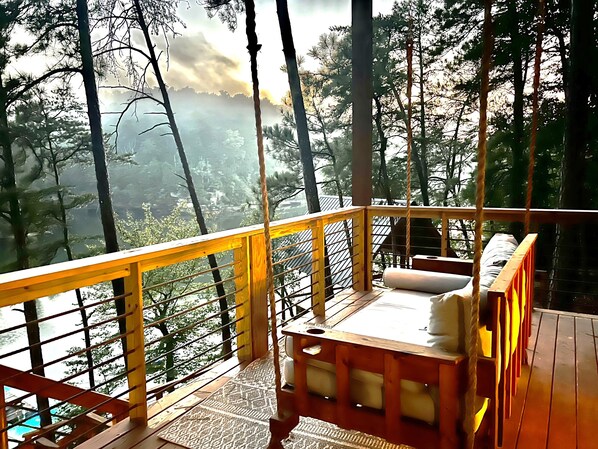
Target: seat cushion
{"type": "Point", "coordinates": [423, 405]}
{"type": "Point", "coordinates": [321, 379]}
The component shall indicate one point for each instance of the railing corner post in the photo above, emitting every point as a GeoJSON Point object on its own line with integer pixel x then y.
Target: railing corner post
{"type": "Point", "coordinates": [444, 243]}
{"type": "Point", "coordinates": [243, 301]}
{"type": "Point", "coordinates": [135, 346]}
{"type": "Point", "coordinates": [362, 263]}
{"type": "Point", "coordinates": [318, 277]}
{"type": "Point", "coordinates": [258, 296]}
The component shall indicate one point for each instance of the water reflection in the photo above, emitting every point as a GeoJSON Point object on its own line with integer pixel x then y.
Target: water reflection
{"type": "Point", "coordinates": [17, 339]}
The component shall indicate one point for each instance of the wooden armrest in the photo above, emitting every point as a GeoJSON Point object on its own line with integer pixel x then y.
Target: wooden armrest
{"type": "Point", "coordinates": [451, 265]}
{"type": "Point", "coordinates": [327, 336]}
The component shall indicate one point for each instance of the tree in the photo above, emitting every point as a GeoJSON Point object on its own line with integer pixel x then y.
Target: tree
{"type": "Point", "coordinates": [307, 162]}
{"type": "Point", "coordinates": [99, 153]}
{"type": "Point", "coordinates": [59, 139]}
{"type": "Point", "coordinates": [122, 19]}
{"type": "Point", "coordinates": [11, 89]}
{"type": "Point", "coordinates": [568, 247]}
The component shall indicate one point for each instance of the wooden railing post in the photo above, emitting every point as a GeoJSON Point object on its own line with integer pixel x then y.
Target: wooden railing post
{"type": "Point", "coordinates": [258, 296]}
{"type": "Point", "coordinates": [135, 346]}
{"type": "Point", "coordinates": [444, 243]}
{"type": "Point", "coordinates": [318, 276]}
{"type": "Point", "coordinates": [243, 300]}
{"type": "Point", "coordinates": [3, 420]}
{"type": "Point", "coordinates": [362, 251]}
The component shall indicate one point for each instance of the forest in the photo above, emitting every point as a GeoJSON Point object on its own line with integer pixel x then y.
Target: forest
{"type": "Point", "coordinates": [99, 154]}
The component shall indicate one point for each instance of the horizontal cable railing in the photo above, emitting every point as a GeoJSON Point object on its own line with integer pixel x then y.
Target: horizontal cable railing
{"type": "Point", "coordinates": [63, 395]}
{"type": "Point", "coordinates": [180, 317]}
{"type": "Point", "coordinates": [313, 265]}
{"type": "Point", "coordinates": [566, 265]}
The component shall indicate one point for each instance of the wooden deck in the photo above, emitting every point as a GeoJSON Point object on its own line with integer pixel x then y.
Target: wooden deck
{"type": "Point", "coordinates": [557, 400]}
{"type": "Point", "coordinates": [556, 404]}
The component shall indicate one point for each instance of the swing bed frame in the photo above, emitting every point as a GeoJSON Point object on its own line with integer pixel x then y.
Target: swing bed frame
{"type": "Point", "coordinates": [510, 300]}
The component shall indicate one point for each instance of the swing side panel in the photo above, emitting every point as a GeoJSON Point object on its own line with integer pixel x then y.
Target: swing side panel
{"type": "Point", "coordinates": [395, 361]}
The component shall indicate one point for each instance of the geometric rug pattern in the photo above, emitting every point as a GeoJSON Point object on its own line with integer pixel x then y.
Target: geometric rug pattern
{"type": "Point", "coordinates": [236, 416]}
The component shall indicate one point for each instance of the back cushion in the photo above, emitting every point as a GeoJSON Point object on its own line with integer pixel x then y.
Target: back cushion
{"type": "Point", "coordinates": [498, 251]}
{"type": "Point", "coordinates": [450, 313]}
{"type": "Point", "coordinates": [450, 316]}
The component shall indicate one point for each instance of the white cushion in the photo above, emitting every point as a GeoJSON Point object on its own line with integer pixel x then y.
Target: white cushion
{"type": "Point", "coordinates": [399, 315]}
{"type": "Point", "coordinates": [322, 380]}
{"type": "Point", "coordinates": [423, 281]}
{"type": "Point", "coordinates": [449, 326]}
{"type": "Point", "coordinates": [497, 253]}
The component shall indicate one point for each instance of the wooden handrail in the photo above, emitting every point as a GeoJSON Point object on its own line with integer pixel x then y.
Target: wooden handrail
{"type": "Point", "coordinates": [24, 285]}
{"type": "Point", "coordinates": [49, 388]}
{"type": "Point", "coordinates": [560, 216]}
{"type": "Point", "coordinates": [20, 286]}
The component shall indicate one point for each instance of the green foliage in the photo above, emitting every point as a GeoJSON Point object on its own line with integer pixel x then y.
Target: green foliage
{"type": "Point", "coordinates": [180, 316]}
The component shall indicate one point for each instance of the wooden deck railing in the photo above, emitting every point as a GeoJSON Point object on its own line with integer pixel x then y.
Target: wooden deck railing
{"type": "Point", "coordinates": [349, 240]}
{"type": "Point", "coordinates": [245, 247]}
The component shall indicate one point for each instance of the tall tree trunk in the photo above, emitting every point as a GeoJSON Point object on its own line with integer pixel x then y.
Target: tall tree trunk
{"type": "Point", "coordinates": [420, 168]}
{"type": "Point", "coordinates": [307, 161]}
{"type": "Point", "coordinates": [451, 162]}
{"type": "Point", "coordinates": [423, 141]}
{"type": "Point", "coordinates": [220, 290]}
{"type": "Point", "coordinates": [99, 156]}
{"type": "Point", "coordinates": [337, 178]}
{"type": "Point", "coordinates": [69, 254]}
{"type": "Point", "coordinates": [19, 231]}
{"type": "Point", "coordinates": [518, 133]}
{"type": "Point", "coordinates": [169, 348]}
{"type": "Point", "coordinates": [568, 247]}
{"type": "Point", "coordinates": [385, 180]}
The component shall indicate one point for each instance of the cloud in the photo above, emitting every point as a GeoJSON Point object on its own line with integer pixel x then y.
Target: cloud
{"type": "Point", "coordinates": [196, 63]}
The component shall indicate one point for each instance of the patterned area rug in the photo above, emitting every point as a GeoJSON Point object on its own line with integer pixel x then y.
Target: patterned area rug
{"type": "Point", "coordinates": [236, 417]}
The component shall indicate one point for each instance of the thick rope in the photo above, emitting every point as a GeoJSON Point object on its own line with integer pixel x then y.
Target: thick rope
{"type": "Point", "coordinates": [253, 48]}
{"type": "Point", "coordinates": [479, 219]}
{"type": "Point", "coordinates": [535, 107]}
{"type": "Point", "coordinates": [409, 140]}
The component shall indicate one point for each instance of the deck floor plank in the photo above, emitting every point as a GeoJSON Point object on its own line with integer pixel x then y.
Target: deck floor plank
{"type": "Point", "coordinates": [537, 408]}
{"type": "Point", "coordinates": [511, 429]}
{"type": "Point", "coordinates": [126, 435]}
{"type": "Point", "coordinates": [587, 384]}
{"type": "Point", "coordinates": [562, 408]}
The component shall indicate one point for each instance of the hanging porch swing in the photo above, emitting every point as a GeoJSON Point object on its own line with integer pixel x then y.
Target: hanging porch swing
{"type": "Point", "coordinates": [484, 379]}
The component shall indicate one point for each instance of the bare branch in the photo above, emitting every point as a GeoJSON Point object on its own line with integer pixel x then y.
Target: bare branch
{"type": "Point", "coordinates": [154, 127]}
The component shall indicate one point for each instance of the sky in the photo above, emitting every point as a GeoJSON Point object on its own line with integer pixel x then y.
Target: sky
{"type": "Point", "coordinates": [208, 57]}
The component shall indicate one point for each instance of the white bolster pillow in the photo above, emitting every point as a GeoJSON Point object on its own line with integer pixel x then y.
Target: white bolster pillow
{"type": "Point", "coordinates": [423, 281]}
